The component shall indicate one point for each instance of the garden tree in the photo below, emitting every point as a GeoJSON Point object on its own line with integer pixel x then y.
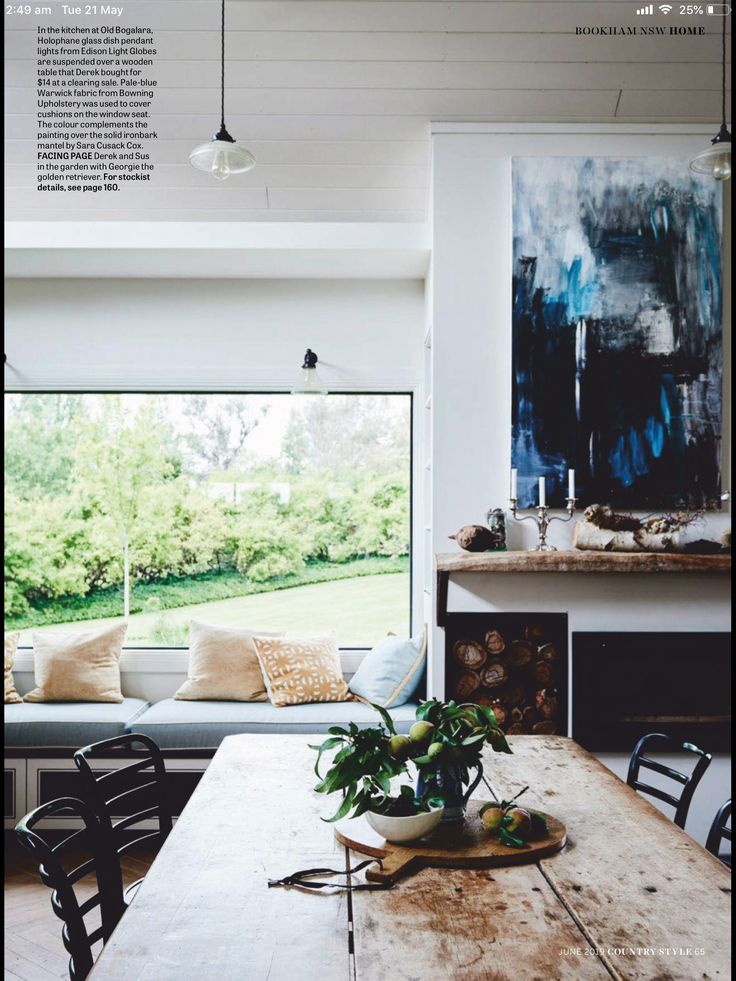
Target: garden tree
{"type": "Point", "coordinates": [219, 429]}
{"type": "Point", "coordinates": [44, 421]}
{"type": "Point", "coordinates": [120, 509]}
{"type": "Point", "coordinates": [42, 555]}
{"type": "Point", "coordinates": [344, 434]}
{"type": "Point", "coordinates": [120, 454]}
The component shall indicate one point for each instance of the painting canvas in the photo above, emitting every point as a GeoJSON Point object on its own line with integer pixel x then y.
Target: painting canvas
{"type": "Point", "coordinates": [617, 331]}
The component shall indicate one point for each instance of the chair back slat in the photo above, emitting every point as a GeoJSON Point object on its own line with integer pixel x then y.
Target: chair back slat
{"type": "Point", "coordinates": [113, 803]}
{"type": "Point", "coordinates": [689, 783]}
{"type": "Point", "coordinates": [151, 837]}
{"type": "Point", "coordinates": [720, 831]}
{"type": "Point", "coordinates": [77, 938]}
{"type": "Point", "coordinates": [133, 819]}
{"type": "Point", "coordinates": [132, 784]}
{"type": "Point", "coordinates": [666, 771]}
{"type": "Point", "coordinates": [657, 792]}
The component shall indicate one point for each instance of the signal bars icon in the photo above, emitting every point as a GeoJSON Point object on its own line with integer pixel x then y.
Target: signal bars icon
{"type": "Point", "coordinates": [647, 11]}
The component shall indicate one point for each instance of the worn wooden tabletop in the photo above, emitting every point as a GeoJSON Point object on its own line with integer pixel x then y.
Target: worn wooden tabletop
{"type": "Point", "coordinates": [631, 896]}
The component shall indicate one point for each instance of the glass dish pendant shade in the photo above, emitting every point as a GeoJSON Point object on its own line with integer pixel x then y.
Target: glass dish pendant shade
{"type": "Point", "coordinates": [309, 382]}
{"type": "Point", "coordinates": [715, 160]}
{"type": "Point", "coordinates": [222, 157]}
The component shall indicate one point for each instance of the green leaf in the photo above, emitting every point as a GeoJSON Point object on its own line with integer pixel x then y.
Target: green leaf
{"type": "Point", "coordinates": [498, 742]}
{"type": "Point", "coordinates": [472, 740]}
{"type": "Point", "coordinates": [327, 744]}
{"type": "Point", "coordinates": [488, 715]}
{"type": "Point", "coordinates": [337, 731]}
{"type": "Point", "coordinates": [540, 829]}
{"type": "Point", "coordinates": [388, 721]}
{"type": "Point", "coordinates": [384, 783]}
{"type": "Point", "coordinates": [343, 808]}
{"type": "Point", "coordinates": [512, 841]}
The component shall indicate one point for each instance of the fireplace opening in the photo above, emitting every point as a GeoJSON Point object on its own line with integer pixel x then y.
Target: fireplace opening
{"type": "Point", "coordinates": [514, 663]}
{"type": "Point", "coordinates": [625, 685]}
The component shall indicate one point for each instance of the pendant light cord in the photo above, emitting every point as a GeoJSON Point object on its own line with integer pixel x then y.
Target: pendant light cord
{"type": "Point", "coordinates": [723, 71]}
{"type": "Point", "coordinates": [222, 66]}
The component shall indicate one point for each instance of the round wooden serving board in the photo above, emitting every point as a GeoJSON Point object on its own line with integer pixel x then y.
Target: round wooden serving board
{"type": "Point", "coordinates": [454, 846]}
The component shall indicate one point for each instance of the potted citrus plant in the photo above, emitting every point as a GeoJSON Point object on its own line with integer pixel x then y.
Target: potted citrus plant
{"type": "Point", "coordinates": [453, 738]}
{"type": "Point", "coordinates": [442, 746]}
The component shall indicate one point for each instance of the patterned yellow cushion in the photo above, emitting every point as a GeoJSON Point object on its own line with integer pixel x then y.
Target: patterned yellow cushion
{"type": "Point", "coordinates": [11, 642]}
{"type": "Point", "coordinates": [301, 670]}
{"type": "Point", "coordinates": [81, 667]}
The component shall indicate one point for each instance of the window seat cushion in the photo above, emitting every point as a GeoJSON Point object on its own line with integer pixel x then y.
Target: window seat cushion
{"type": "Point", "coordinates": [203, 725]}
{"type": "Point", "coordinates": [68, 724]}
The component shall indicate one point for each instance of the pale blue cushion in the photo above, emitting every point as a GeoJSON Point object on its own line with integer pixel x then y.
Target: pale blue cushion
{"type": "Point", "coordinates": [68, 725]}
{"type": "Point", "coordinates": [176, 724]}
{"type": "Point", "coordinates": [390, 674]}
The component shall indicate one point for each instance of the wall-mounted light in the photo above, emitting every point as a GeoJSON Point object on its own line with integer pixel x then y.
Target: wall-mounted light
{"type": "Point", "coordinates": [715, 160]}
{"type": "Point", "coordinates": [222, 156]}
{"type": "Point", "coordinates": [309, 382]}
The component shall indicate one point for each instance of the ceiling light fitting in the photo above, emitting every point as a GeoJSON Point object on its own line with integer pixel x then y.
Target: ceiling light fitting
{"type": "Point", "coordinates": [309, 382]}
{"type": "Point", "coordinates": [222, 156]}
{"type": "Point", "coordinates": [715, 160]}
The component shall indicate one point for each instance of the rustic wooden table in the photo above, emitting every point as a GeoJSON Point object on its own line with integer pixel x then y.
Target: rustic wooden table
{"type": "Point", "coordinates": [631, 896]}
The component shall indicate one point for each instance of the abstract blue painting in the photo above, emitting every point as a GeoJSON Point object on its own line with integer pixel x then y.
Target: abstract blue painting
{"type": "Point", "coordinates": [617, 331]}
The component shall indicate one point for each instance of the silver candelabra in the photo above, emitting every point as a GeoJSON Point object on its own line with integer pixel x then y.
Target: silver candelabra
{"type": "Point", "coordinates": [543, 520]}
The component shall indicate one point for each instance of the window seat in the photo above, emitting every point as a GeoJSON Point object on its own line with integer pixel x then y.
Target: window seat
{"type": "Point", "coordinates": [203, 725]}
{"type": "Point", "coordinates": [68, 725]}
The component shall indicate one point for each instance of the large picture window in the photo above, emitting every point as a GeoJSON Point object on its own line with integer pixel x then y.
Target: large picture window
{"type": "Point", "coordinates": [263, 511]}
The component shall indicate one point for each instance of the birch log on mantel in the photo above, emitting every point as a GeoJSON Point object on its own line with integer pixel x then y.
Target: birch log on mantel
{"type": "Point", "coordinates": [587, 536]}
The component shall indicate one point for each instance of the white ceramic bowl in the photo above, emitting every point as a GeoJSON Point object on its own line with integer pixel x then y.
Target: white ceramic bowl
{"type": "Point", "coordinates": [400, 829]}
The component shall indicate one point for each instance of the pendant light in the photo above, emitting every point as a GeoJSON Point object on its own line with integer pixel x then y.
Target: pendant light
{"type": "Point", "coordinates": [222, 156]}
{"type": "Point", "coordinates": [309, 382]}
{"type": "Point", "coordinates": [715, 160]}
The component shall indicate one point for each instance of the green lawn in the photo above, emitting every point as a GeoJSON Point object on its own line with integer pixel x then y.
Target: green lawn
{"type": "Point", "coordinates": [361, 610]}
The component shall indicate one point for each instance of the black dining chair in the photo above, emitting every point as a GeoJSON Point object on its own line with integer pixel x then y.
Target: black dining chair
{"type": "Point", "coordinates": [720, 831]}
{"type": "Point", "coordinates": [68, 868]}
{"type": "Point", "coordinates": [130, 801]}
{"type": "Point", "coordinates": [660, 742]}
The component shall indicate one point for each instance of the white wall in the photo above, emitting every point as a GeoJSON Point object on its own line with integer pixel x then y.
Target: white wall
{"type": "Point", "coordinates": [244, 334]}
{"type": "Point", "coordinates": [217, 334]}
{"type": "Point", "coordinates": [470, 307]}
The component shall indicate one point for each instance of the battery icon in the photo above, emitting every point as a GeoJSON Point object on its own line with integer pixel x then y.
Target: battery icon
{"type": "Point", "coordinates": [717, 9]}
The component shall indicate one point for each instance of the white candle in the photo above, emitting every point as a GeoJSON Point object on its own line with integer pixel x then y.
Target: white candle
{"type": "Point", "coordinates": [514, 484]}
{"type": "Point", "coordinates": [542, 493]}
{"type": "Point", "coordinates": [571, 484]}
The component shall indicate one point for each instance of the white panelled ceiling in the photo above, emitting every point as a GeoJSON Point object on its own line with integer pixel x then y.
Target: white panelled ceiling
{"type": "Point", "coordinates": [335, 97]}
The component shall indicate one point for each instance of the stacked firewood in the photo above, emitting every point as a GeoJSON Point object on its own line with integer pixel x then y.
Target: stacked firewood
{"type": "Point", "coordinates": [514, 677]}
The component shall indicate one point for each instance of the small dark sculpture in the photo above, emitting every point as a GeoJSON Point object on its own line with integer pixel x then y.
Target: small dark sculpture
{"type": "Point", "coordinates": [479, 538]}
{"type": "Point", "coordinates": [474, 538]}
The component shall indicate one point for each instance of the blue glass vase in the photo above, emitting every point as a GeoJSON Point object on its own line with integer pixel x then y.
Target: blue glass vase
{"type": "Point", "coordinates": [447, 783]}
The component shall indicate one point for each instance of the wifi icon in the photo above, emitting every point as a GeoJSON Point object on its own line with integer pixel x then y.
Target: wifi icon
{"type": "Point", "coordinates": [665, 8]}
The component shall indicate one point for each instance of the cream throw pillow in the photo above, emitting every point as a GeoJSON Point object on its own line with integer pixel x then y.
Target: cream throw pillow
{"type": "Point", "coordinates": [302, 670]}
{"type": "Point", "coordinates": [81, 667]}
{"type": "Point", "coordinates": [11, 643]}
{"type": "Point", "coordinates": [223, 665]}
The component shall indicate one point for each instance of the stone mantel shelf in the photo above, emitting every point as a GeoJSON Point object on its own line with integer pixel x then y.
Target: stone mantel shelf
{"type": "Point", "coordinates": [447, 563]}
